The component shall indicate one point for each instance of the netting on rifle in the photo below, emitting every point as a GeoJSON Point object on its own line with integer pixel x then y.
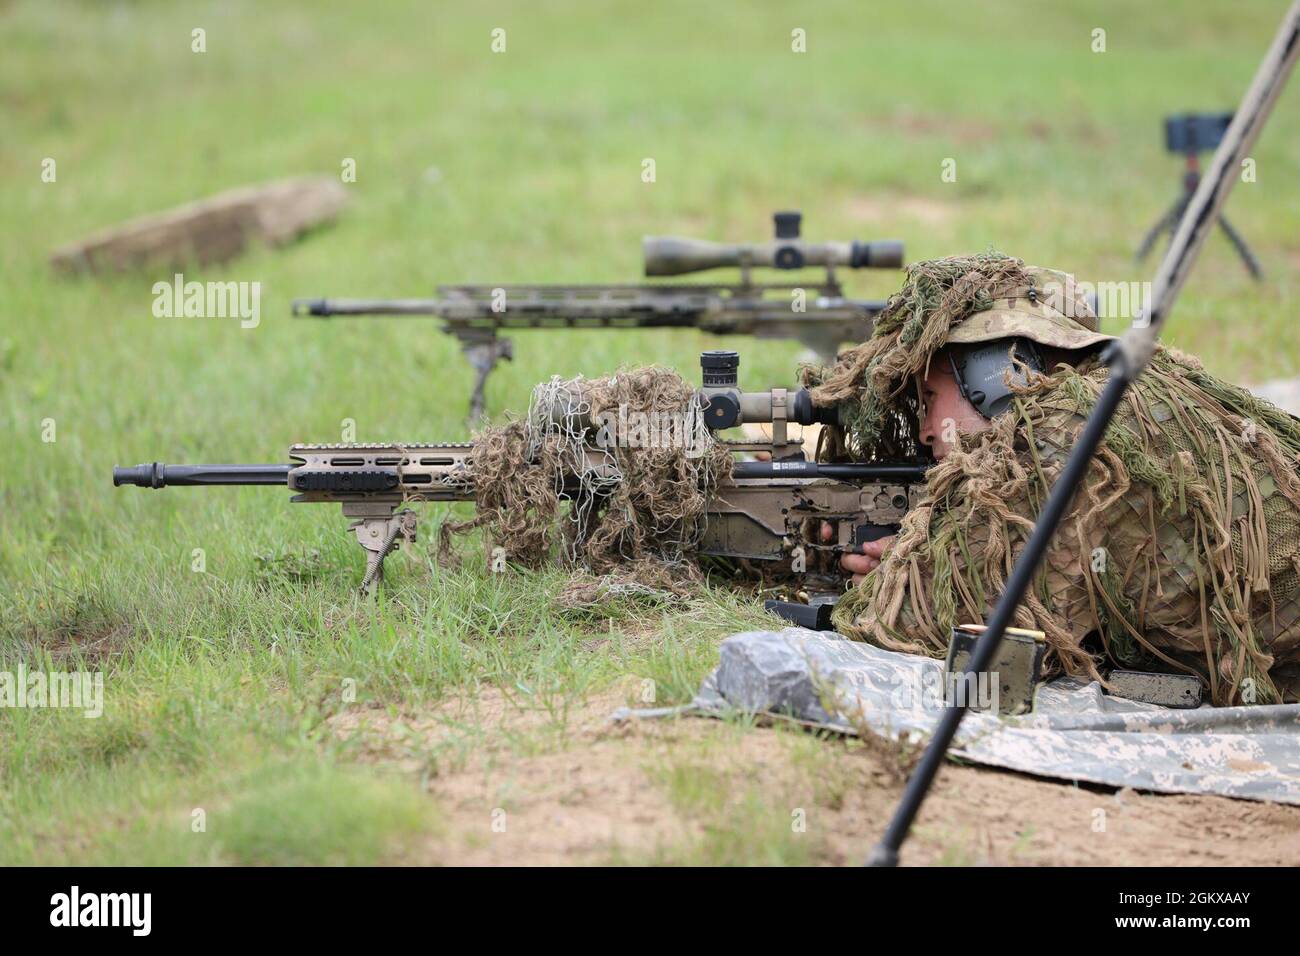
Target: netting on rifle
{"type": "Point", "coordinates": [603, 474]}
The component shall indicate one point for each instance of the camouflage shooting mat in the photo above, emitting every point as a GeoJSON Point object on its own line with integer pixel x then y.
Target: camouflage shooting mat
{"type": "Point", "coordinates": [1075, 733]}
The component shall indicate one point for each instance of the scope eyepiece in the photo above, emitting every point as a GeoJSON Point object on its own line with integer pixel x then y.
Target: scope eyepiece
{"type": "Point", "coordinates": [881, 254]}
{"type": "Point", "coordinates": [804, 412]}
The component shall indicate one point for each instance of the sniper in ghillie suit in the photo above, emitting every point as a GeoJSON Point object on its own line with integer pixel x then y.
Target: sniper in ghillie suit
{"type": "Point", "coordinates": [940, 437]}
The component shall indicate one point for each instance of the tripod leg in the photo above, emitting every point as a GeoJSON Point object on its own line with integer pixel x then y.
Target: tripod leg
{"type": "Point", "coordinates": [1243, 250]}
{"type": "Point", "coordinates": [1167, 222]}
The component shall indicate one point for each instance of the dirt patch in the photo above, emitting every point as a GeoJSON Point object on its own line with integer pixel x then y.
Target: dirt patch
{"type": "Point", "coordinates": [523, 783]}
{"type": "Point", "coordinates": [957, 129]}
{"type": "Point", "coordinates": [79, 629]}
{"type": "Point", "coordinates": [971, 131]}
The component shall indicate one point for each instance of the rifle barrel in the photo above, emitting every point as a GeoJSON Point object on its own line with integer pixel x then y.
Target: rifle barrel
{"type": "Point", "coordinates": [328, 307]}
{"type": "Point", "coordinates": [158, 475]}
{"type": "Point", "coordinates": [852, 471]}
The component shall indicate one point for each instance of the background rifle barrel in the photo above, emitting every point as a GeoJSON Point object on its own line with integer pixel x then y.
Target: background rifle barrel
{"type": "Point", "coordinates": [158, 475]}
{"type": "Point", "coordinates": [865, 471]}
{"type": "Point", "coordinates": [365, 306]}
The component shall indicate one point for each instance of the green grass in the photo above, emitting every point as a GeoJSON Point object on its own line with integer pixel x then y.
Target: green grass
{"type": "Point", "coordinates": [219, 683]}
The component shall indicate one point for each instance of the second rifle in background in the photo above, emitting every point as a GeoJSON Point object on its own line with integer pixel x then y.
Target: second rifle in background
{"type": "Point", "coordinates": [815, 314]}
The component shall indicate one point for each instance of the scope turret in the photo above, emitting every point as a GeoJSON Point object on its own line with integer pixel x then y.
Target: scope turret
{"type": "Point", "coordinates": [719, 368]}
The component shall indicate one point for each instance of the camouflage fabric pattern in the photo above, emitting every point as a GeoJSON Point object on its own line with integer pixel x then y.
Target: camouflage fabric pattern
{"type": "Point", "coordinates": [1032, 318]}
{"type": "Point", "coordinates": [1182, 547]}
{"type": "Point", "coordinates": [1180, 553]}
{"type": "Point", "coordinates": [1048, 307]}
{"type": "Point", "coordinates": [1076, 732]}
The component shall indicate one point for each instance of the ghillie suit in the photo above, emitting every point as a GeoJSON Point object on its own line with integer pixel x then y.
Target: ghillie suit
{"type": "Point", "coordinates": [608, 475]}
{"type": "Point", "coordinates": [1181, 551]}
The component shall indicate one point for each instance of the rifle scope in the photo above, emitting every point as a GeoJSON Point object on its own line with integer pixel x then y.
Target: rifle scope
{"type": "Point", "coordinates": [726, 405]}
{"type": "Point", "coordinates": [674, 256]}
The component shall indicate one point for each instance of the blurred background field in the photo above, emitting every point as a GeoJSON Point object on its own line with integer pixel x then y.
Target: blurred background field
{"type": "Point", "coordinates": [522, 166]}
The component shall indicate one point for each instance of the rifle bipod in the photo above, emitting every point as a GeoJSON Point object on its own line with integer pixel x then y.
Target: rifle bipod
{"type": "Point", "coordinates": [380, 529]}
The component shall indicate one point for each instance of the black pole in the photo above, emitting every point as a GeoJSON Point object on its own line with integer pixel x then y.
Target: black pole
{"type": "Point", "coordinates": [885, 853]}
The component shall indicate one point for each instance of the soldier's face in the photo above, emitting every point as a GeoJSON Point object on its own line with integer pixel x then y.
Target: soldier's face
{"type": "Point", "coordinates": [946, 413]}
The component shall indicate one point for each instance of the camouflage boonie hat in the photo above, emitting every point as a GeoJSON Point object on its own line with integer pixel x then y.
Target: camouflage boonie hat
{"type": "Point", "coordinates": [1052, 311]}
{"type": "Point", "coordinates": [958, 299]}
